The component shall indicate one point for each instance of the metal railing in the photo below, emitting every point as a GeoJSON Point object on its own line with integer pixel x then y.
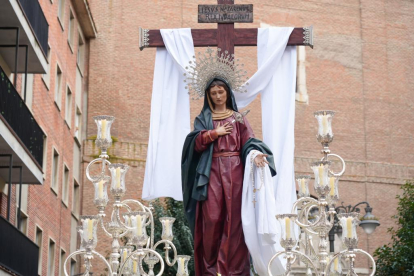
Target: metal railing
{"type": "Point", "coordinates": [17, 252]}
{"type": "Point", "coordinates": [18, 116]}
{"type": "Point", "coordinates": [37, 19]}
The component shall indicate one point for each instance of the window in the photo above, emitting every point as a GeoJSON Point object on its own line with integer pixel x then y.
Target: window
{"type": "Point", "coordinates": [39, 242]}
{"type": "Point", "coordinates": [61, 11]}
{"type": "Point", "coordinates": [75, 198]}
{"type": "Point", "coordinates": [62, 262]}
{"type": "Point", "coordinates": [81, 53]}
{"type": "Point", "coordinates": [78, 124]}
{"type": "Point", "coordinates": [73, 233]}
{"type": "Point", "coordinates": [51, 258]}
{"type": "Point", "coordinates": [65, 186]}
{"type": "Point", "coordinates": [73, 267]}
{"type": "Point", "coordinates": [23, 222]}
{"type": "Point", "coordinates": [46, 77]}
{"type": "Point", "coordinates": [77, 159]}
{"type": "Point", "coordinates": [27, 89]}
{"type": "Point", "coordinates": [71, 30]}
{"type": "Point", "coordinates": [22, 215]}
{"type": "Point", "coordinates": [3, 188]}
{"type": "Point", "coordinates": [25, 194]}
{"type": "Point", "coordinates": [68, 109]}
{"type": "Point", "coordinates": [44, 162]}
{"type": "Point", "coordinates": [301, 91]}
{"type": "Point", "coordinates": [55, 171]}
{"type": "Point", "coordinates": [58, 86]}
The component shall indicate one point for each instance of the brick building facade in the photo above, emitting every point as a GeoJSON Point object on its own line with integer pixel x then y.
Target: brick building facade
{"type": "Point", "coordinates": [55, 101]}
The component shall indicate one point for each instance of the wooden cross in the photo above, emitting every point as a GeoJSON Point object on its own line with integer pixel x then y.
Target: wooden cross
{"type": "Point", "coordinates": [225, 37]}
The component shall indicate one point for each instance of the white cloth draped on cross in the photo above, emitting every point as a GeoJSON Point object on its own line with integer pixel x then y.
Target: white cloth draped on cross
{"type": "Point", "coordinates": [170, 123]}
{"type": "Point", "coordinates": [170, 116]}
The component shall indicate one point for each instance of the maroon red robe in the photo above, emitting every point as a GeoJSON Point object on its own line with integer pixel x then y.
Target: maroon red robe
{"type": "Point", "coordinates": [219, 245]}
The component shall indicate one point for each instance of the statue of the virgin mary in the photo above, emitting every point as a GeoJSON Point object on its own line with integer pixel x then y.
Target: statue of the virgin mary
{"type": "Point", "coordinates": [213, 161]}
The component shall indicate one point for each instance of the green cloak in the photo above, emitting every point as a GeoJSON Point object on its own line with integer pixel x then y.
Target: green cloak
{"type": "Point", "coordinates": [195, 166]}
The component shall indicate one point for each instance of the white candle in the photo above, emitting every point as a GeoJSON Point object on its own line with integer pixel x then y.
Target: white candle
{"type": "Point", "coordinates": [125, 254]}
{"type": "Point", "coordinates": [302, 186]}
{"type": "Point", "coordinates": [167, 227]}
{"type": "Point", "coordinates": [349, 227]}
{"type": "Point", "coordinates": [134, 266]}
{"type": "Point", "coordinates": [287, 222]}
{"type": "Point", "coordinates": [324, 124]}
{"type": "Point", "coordinates": [320, 168]}
{"type": "Point", "coordinates": [182, 261]}
{"type": "Point", "coordinates": [336, 265]}
{"type": "Point", "coordinates": [103, 128]}
{"type": "Point", "coordinates": [332, 185]}
{"type": "Point", "coordinates": [139, 225]}
{"type": "Point", "coordinates": [100, 189]}
{"type": "Point", "coordinates": [118, 178]}
{"type": "Point", "coordinates": [90, 228]}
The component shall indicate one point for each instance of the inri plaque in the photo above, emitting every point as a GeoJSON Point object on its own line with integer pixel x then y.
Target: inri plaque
{"type": "Point", "coordinates": [225, 13]}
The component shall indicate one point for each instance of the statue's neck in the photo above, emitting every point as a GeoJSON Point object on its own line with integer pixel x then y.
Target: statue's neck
{"type": "Point", "coordinates": [220, 108]}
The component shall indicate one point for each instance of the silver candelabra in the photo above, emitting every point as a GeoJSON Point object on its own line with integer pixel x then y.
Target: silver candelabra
{"type": "Point", "coordinates": [131, 225]}
{"type": "Point", "coordinates": [317, 260]}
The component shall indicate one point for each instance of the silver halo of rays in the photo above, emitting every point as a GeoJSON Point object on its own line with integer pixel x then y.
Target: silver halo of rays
{"type": "Point", "coordinates": [212, 64]}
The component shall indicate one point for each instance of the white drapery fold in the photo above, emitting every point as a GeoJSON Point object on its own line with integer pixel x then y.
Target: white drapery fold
{"type": "Point", "coordinates": [260, 228]}
{"type": "Point", "coordinates": [170, 116]}
{"type": "Point", "coordinates": [275, 81]}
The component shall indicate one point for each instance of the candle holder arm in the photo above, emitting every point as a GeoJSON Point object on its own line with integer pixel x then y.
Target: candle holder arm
{"type": "Point", "coordinates": [142, 206]}
{"type": "Point", "coordinates": [140, 252]}
{"type": "Point", "coordinates": [167, 248]}
{"type": "Point", "coordinates": [104, 162]}
{"type": "Point", "coordinates": [304, 201]}
{"type": "Point", "coordinates": [374, 266]}
{"type": "Point", "coordinates": [295, 253]}
{"type": "Point", "coordinates": [103, 227]}
{"type": "Point", "coordinates": [340, 159]}
{"type": "Point", "coordinates": [328, 265]}
{"type": "Point", "coordinates": [83, 251]}
{"type": "Point", "coordinates": [306, 208]}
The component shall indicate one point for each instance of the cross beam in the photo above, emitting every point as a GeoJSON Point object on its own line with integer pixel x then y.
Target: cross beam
{"type": "Point", "coordinates": [209, 37]}
{"type": "Point", "coordinates": [225, 37]}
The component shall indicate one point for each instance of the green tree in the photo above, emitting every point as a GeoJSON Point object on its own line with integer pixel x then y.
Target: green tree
{"type": "Point", "coordinates": [397, 258]}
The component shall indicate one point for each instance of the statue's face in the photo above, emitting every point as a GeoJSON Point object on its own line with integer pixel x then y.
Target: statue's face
{"type": "Point", "coordinates": [218, 95]}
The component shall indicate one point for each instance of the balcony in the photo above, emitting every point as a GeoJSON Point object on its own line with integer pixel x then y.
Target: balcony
{"type": "Point", "coordinates": [28, 17]}
{"type": "Point", "coordinates": [37, 20]}
{"type": "Point", "coordinates": [20, 136]}
{"type": "Point", "coordinates": [18, 253]}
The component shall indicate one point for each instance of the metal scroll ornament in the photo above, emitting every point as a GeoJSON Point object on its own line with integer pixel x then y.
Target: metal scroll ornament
{"type": "Point", "coordinates": [143, 38]}
{"type": "Point", "coordinates": [308, 36]}
{"type": "Point", "coordinates": [128, 223]}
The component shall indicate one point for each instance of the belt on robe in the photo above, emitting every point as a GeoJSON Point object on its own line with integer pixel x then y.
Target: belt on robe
{"type": "Point", "coordinates": [226, 154]}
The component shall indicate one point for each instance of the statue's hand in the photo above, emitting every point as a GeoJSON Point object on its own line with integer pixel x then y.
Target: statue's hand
{"type": "Point", "coordinates": [224, 129]}
{"type": "Point", "coordinates": [260, 160]}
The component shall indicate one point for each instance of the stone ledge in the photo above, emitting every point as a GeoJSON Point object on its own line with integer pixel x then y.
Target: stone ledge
{"type": "Point", "coordinates": [85, 18]}
{"type": "Point", "coordinates": [358, 171]}
{"type": "Point", "coordinates": [134, 154]}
